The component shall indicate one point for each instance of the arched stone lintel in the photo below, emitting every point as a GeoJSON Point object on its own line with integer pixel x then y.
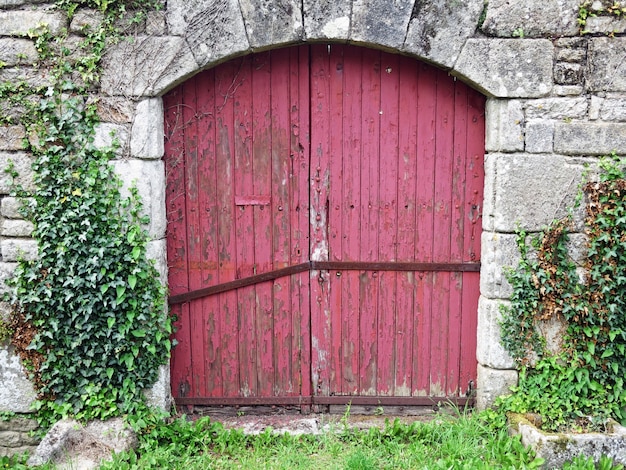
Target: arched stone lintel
{"type": "Point", "coordinates": [205, 34]}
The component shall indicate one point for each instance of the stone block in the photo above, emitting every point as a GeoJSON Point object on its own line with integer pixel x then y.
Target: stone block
{"type": "Point", "coordinates": [146, 140]}
{"type": "Point", "coordinates": [489, 349]}
{"type": "Point", "coordinates": [605, 25]}
{"type": "Point", "coordinates": [567, 54]}
{"type": "Point", "coordinates": [595, 104]}
{"type": "Point", "coordinates": [20, 22]}
{"type": "Point", "coordinates": [489, 193]}
{"type": "Point", "coordinates": [157, 251]}
{"type": "Point", "coordinates": [539, 136]}
{"type": "Point", "coordinates": [86, 20]}
{"type": "Point", "coordinates": [181, 12]}
{"type": "Point", "coordinates": [69, 444]}
{"type": "Point", "coordinates": [439, 28]}
{"type": "Point", "coordinates": [32, 76]}
{"type": "Point", "coordinates": [566, 73]}
{"type": "Point", "coordinates": [557, 108]}
{"type": "Point", "coordinates": [613, 109]}
{"type": "Point", "coordinates": [529, 191]}
{"type": "Point", "coordinates": [19, 424]}
{"type": "Point", "coordinates": [16, 391]}
{"type": "Point", "coordinates": [6, 272]}
{"type": "Point", "coordinates": [115, 110]}
{"type": "Point", "coordinates": [160, 395]}
{"type": "Point", "coordinates": [499, 251]}
{"type": "Point", "coordinates": [567, 90]}
{"type": "Point", "coordinates": [11, 137]}
{"type": "Point", "coordinates": [16, 228]}
{"type": "Point", "coordinates": [156, 24]}
{"type": "Point", "coordinates": [380, 23]}
{"type": "Point", "coordinates": [149, 178]}
{"type": "Point", "coordinates": [216, 31]}
{"type": "Point", "coordinates": [115, 136]}
{"type": "Point", "coordinates": [508, 68]}
{"type": "Point", "coordinates": [17, 52]}
{"type": "Point", "coordinates": [556, 449]}
{"type": "Point", "coordinates": [10, 438]}
{"type": "Point", "coordinates": [272, 22]}
{"type": "Point", "coordinates": [327, 20]}
{"type": "Point", "coordinates": [14, 249]}
{"type": "Point", "coordinates": [589, 138]}
{"type": "Point", "coordinates": [493, 383]}
{"type": "Point", "coordinates": [22, 164]}
{"type": "Point", "coordinates": [504, 126]}
{"type": "Point", "coordinates": [16, 3]}
{"type": "Point", "coordinates": [531, 18]}
{"type": "Point", "coordinates": [10, 208]}
{"type": "Point", "coordinates": [147, 66]}
{"type": "Point", "coordinates": [606, 67]}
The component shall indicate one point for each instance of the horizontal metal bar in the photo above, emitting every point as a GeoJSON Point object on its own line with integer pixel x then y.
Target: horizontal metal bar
{"type": "Point", "coordinates": [323, 266]}
{"type": "Point", "coordinates": [329, 400]}
{"type": "Point", "coordinates": [388, 401]}
{"type": "Point", "coordinates": [393, 266]}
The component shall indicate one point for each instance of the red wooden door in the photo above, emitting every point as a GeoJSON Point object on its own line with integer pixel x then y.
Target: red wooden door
{"type": "Point", "coordinates": [324, 208]}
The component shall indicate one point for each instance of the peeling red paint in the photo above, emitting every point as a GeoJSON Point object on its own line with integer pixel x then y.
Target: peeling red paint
{"type": "Point", "coordinates": [326, 154]}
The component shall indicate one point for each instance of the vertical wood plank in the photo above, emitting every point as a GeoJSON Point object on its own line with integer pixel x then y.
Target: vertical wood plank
{"type": "Point", "coordinates": [387, 207]}
{"type": "Point", "coordinates": [335, 214]}
{"type": "Point", "coordinates": [424, 236]}
{"type": "Point", "coordinates": [300, 149]}
{"type": "Point", "coordinates": [263, 229]}
{"type": "Point", "coordinates": [369, 218]}
{"type": "Point", "coordinates": [407, 180]}
{"type": "Point", "coordinates": [205, 212]}
{"type": "Point", "coordinates": [223, 99]}
{"type": "Point", "coordinates": [173, 104]}
{"type": "Point", "coordinates": [320, 315]}
{"type": "Point", "coordinates": [245, 236]}
{"type": "Point", "coordinates": [474, 174]}
{"type": "Point", "coordinates": [457, 222]}
{"type": "Point", "coordinates": [194, 244]}
{"type": "Point", "coordinates": [351, 220]}
{"type": "Point", "coordinates": [281, 216]}
{"type": "Point", "coordinates": [444, 133]}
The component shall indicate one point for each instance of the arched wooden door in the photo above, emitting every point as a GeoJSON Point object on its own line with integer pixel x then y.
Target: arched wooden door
{"type": "Point", "coordinates": [324, 217]}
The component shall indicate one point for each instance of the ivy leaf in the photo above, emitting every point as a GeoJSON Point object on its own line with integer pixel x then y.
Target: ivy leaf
{"type": "Point", "coordinates": [132, 281]}
{"type": "Point", "coordinates": [120, 293]}
{"type": "Point", "coordinates": [110, 322]}
{"type": "Point", "coordinates": [139, 333]}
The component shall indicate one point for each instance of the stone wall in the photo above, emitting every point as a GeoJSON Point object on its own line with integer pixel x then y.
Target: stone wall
{"type": "Point", "coordinates": [556, 99]}
{"type": "Point", "coordinates": [15, 436]}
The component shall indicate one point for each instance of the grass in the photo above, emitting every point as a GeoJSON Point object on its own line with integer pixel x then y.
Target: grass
{"type": "Point", "coordinates": [466, 441]}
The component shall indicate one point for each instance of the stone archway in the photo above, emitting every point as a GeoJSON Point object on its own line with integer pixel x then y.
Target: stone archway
{"type": "Point", "coordinates": [201, 36]}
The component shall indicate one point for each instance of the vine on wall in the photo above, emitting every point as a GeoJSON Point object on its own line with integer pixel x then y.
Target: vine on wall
{"type": "Point", "coordinates": [581, 382]}
{"type": "Point", "coordinates": [89, 318]}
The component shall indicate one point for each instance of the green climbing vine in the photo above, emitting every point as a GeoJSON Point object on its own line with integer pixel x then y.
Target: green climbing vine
{"type": "Point", "coordinates": [578, 382]}
{"type": "Point", "coordinates": [89, 317]}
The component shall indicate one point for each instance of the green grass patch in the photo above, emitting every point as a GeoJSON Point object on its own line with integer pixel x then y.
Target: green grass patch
{"type": "Point", "coordinates": [463, 441]}
{"type": "Point", "coordinates": [473, 441]}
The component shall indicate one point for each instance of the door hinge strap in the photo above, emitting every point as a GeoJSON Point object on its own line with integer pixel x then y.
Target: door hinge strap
{"type": "Point", "coordinates": [322, 266]}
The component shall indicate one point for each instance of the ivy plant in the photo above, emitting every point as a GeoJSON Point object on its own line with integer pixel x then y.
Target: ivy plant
{"type": "Point", "coordinates": [580, 383]}
{"type": "Point", "coordinates": [89, 314]}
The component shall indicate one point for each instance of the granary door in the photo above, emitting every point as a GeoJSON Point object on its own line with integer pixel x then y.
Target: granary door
{"type": "Point", "coordinates": [324, 218]}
